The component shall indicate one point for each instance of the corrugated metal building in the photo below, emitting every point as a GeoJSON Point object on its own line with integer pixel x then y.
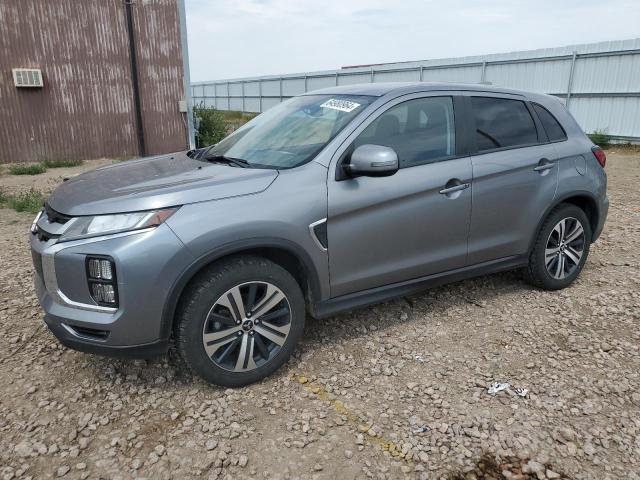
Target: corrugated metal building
{"type": "Point", "coordinates": [99, 60]}
{"type": "Point", "coordinates": [599, 82]}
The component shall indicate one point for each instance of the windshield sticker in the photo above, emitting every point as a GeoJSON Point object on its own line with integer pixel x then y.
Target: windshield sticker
{"type": "Point", "coordinates": [342, 105]}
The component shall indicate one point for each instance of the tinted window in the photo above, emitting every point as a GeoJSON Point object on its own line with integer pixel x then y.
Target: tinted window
{"type": "Point", "coordinates": [420, 130]}
{"type": "Point", "coordinates": [502, 123]}
{"type": "Point", "coordinates": [554, 130]}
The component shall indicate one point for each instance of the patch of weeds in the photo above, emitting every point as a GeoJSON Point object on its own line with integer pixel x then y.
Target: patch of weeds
{"type": "Point", "coordinates": [27, 169]}
{"type": "Point", "coordinates": [211, 126]}
{"type": "Point", "coordinates": [600, 138]}
{"type": "Point", "coordinates": [61, 163]}
{"type": "Point", "coordinates": [214, 125]}
{"type": "Point", "coordinates": [230, 115]}
{"type": "Point", "coordinates": [30, 201]}
{"type": "Point", "coordinates": [235, 119]}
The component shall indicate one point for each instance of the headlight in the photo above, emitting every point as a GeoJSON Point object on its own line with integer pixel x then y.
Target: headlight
{"type": "Point", "coordinates": [84, 227]}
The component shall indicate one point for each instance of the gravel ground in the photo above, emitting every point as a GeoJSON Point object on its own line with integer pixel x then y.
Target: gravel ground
{"type": "Point", "coordinates": [392, 391]}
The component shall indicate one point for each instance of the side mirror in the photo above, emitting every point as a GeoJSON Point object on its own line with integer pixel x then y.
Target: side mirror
{"type": "Point", "coordinates": [373, 161]}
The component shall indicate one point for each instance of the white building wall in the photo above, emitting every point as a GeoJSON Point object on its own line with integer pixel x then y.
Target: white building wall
{"type": "Point", "coordinates": [601, 81]}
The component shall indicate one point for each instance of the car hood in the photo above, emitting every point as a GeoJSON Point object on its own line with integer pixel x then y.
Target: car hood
{"type": "Point", "coordinates": [155, 182]}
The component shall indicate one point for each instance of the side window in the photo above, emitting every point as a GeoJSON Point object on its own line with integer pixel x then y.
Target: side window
{"type": "Point", "coordinates": [501, 122]}
{"type": "Point", "coordinates": [420, 130]}
{"type": "Point", "coordinates": [554, 130]}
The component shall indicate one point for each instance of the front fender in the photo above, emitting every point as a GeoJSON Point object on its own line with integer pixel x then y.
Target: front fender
{"type": "Point", "coordinates": [236, 247]}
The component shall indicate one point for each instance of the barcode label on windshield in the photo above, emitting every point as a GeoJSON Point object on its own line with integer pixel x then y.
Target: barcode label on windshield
{"type": "Point", "coordinates": [342, 105]}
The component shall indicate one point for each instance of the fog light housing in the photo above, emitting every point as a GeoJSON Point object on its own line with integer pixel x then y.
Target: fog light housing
{"type": "Point", "coordinates": [103, 293]}
{"type": "Point", "coordinates": [101, 278]}
{"type": "Point", "coordinates": [100, 269]}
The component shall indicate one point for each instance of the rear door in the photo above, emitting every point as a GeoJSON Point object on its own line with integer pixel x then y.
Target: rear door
{"type": "Point", "coordinates": [414, 223]}
{"type": "Point", "coordinates": [515, 175]}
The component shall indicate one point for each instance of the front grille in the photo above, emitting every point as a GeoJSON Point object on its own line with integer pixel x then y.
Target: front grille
{"type": "Point", "coordinates": [55, 217]}
{"type": "Point", "coordinates": [37, 263]}
{"type": "Point", "coordinates": [49, 225]}
{"type": "Point", "coordinates": [45, 236]}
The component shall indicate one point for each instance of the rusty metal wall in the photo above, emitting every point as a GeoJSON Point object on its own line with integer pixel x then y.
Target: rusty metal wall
{"type": "Point", "coordinates": [86, 108]}
{"type": "Point", "coordinates": [157, 33]}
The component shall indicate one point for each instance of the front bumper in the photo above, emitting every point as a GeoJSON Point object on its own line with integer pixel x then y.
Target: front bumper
{"type": "Point", "coordinates": [146, 262]}
{"type": "Point", "coordinates": [71, 339]}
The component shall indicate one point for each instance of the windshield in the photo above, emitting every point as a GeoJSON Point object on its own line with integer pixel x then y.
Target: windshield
{"type": "Point", "coordinates": [292, 132]}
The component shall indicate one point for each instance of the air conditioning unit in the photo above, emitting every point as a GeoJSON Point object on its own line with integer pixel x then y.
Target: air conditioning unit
{"type": "Point", "coordinates": [27, 77]}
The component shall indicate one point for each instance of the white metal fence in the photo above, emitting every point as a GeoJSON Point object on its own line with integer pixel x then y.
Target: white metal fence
{"type": "Point", "coordinates": [600, 83]}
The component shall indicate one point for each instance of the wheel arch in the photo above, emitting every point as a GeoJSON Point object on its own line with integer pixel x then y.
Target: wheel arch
{"type": "Point", "coordinates": [285, 253]}
{"type": "Point", "coordinates": [584, 200]}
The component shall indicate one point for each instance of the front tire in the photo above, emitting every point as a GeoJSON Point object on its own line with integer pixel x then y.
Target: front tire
{"type": "Point", "coordinates": [560, 249]}
{"type": "Point", "coordinates": [240, 320]}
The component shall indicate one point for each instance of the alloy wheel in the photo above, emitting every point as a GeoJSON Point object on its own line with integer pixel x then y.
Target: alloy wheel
{"type": "Point", "coordinates": [565, 247]}
{"type": "Point", "coordinates": [247, 326]}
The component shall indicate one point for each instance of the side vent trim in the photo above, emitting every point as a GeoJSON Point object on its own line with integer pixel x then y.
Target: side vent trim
{"type": "Point", "coordinates": [318, 232]}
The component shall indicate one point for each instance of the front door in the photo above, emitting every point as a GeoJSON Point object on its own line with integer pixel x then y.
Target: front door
{"type": "Point", "coordinates": [412, 224]}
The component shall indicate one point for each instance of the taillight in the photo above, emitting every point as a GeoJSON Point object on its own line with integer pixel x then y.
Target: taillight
{"type": "Point", "coordinates": [600, 156]}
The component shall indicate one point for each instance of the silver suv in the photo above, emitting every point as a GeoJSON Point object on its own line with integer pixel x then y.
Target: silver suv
{"type": "Point", "coordinates": [332, 200]}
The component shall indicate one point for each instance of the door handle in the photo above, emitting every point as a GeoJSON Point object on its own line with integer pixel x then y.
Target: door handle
{"type": "Point", "coordinates": [455, 188]}
{"type": "Point", "coordinates": [542, 168]}
{"type": "Point", "coordinates": [544, 164]}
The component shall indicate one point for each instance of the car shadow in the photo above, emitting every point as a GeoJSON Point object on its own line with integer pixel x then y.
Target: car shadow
{"type": "Point", "coordinates": [170, 371]}
{"type": "Point", "coordinates": [480, 291]}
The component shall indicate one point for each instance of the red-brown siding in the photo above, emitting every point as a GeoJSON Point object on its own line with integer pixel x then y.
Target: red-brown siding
{"type": "Point", "coordinates": [86, 108]}
{"type": "Point", "coordinates": [160, 71]}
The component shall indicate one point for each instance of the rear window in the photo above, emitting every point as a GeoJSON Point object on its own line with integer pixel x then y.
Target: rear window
{"type": "Point", "coordinates": [502, 123]}
{"type": "Point", "coordinates": [554, 130]}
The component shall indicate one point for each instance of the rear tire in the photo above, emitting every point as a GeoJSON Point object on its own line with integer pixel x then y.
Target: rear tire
{"type": "Point", "coordinates": [560, 249]}
{"type": "Point", "coordinates": [239, 320]}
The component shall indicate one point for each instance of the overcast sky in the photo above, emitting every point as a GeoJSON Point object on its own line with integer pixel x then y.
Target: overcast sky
{"type": "Point", "coordinates": [240, 38]}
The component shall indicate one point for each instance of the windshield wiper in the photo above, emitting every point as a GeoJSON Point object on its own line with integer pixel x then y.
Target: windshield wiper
{"type": "Point", "coordinates": [238, 162]}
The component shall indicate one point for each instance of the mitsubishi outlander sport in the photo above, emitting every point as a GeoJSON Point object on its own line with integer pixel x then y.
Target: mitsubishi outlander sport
{"type": "Point", "coordinates": [331, 200]}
